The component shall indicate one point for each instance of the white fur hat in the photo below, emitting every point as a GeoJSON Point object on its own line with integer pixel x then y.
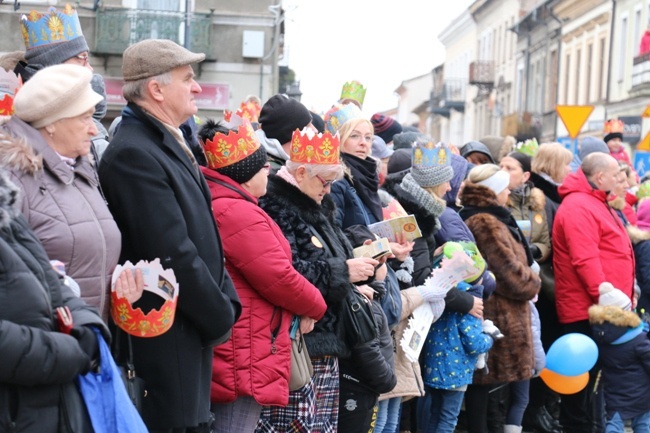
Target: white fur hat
{"type": "Point", "coordinates": [610, 295]}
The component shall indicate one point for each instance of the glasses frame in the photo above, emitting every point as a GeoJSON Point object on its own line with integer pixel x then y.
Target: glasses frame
{"type": "Point", "coordinates": [325, 183]}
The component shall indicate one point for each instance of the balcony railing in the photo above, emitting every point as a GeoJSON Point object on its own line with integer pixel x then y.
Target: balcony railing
{"type": "Point", "coordinates": [641, 72]}
{"type": "Point", "coordinates": [116, 29]}
{"type": "Point", "coordinates": [481, 73]}
{"type": "Point", "coordinates": [451, 95]}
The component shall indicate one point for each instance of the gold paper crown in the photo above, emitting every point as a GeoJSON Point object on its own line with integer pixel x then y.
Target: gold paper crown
{"type": "Point", "coordinates": [55, 26]}
{"type": "Point", "coordinates": [614, 126]}
{"type": "Point", "coordinates": [10, 83]}
{"type": "Point", "coordinates": [308, 147]}
{"type": "Point", "coordinates": [353, 90]}
{"type": "Point", "coordinates": [224, 150]}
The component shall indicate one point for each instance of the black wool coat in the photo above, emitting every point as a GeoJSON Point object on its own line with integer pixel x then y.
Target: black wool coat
{"type": "Point", "coordinates": [295, 212]}
{"type": "Point", "coordinates": [162, 206]}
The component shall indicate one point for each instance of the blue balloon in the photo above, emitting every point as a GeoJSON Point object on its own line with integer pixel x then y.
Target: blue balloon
{"type": "Point", "coordinates": [572, 355]}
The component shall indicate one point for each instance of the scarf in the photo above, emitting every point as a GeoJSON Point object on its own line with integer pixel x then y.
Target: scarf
{"type": "Point", "coordinates": [502, 214]}
{"type": "Point", "coordinates": [433, 206]}
{"type": "Point", "coordinates": [288, 177]}
{"type": "Point", "coordinates": [365, 181]}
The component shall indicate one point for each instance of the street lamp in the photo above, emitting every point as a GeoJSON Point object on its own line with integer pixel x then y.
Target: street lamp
{"type": "Point", "coordinates": [293, 91]}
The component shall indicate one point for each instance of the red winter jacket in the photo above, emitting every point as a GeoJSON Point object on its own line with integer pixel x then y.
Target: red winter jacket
{"type": "Point", "coordinates": [258, 259]}
{"type": "Point", "coordinates": [590, 246]}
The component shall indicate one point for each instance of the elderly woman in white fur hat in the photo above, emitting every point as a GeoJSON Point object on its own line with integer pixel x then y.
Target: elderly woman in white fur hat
{"type": "Point", "coordinates": [46, 147]}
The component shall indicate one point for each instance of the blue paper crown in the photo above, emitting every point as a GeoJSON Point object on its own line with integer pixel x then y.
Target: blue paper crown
{"type": "Point", "coordinates": [428, 154]}
{"type": "Point", "coordinates": [53, 27]}
{"type": "Point", "coordinates": [336, 119]}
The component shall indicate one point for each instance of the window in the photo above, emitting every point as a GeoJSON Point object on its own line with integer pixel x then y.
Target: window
{"type": "Point", "coordinates": [601, 69]}
{"type": "Point", "coordinates": [621, 50]}
{"type": "Point", "coordinates": [637, 25]}
{"type": "Point", "coordinates": [551, 95]}
{"type": "Point", "coordinates": [567, 76]}
{"type": "Point", "coordinates": [576, 95]}
{"type": "Point", "coordinates": [590, 55]}
{"type": "Point", "coordinates": [161, 5]}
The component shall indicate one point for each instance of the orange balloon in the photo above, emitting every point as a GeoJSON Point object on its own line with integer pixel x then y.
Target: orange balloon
{"type": "Point", "coordinates": [564, 384]}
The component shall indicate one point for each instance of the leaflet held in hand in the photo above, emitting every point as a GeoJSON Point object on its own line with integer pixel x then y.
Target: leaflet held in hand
{"type": "Point", "coordinates": [404, 228]}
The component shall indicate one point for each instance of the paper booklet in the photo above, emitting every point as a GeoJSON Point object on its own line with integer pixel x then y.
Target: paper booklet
{"type": "Point", "coordinates": [451, 272]}
{"type": "Point", "coordinates": [405, 227]}
{"type": "Point", "coordinates": [375, 250]}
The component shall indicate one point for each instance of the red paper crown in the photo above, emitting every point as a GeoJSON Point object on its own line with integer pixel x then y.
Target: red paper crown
{"type": "Point", "coordinates": [10, 83]}
{"type": "Point", "coordinates": [249, 110]}
{"type": "Point", "coordinates": [393, 210]}
{"type": "Point", "coordinates": [308, 147]}
{"type": "Point", "coordinates": [614, 126]}
{"type": "Point", "coordinates": [224, 150]}
{"type": "Point", "coordinates": [135, 322]}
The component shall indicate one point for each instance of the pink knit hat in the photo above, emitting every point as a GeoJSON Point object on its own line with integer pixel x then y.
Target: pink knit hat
{"type": "Point", "coordinates": [643, 215]}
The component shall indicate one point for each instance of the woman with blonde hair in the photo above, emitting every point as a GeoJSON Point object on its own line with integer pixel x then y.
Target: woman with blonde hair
{"type": "Point", "coordinates": [550, 166]}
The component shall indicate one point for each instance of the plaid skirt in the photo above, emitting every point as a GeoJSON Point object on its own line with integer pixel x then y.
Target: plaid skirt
{"type": "Point", "coordinates": [314, 408]}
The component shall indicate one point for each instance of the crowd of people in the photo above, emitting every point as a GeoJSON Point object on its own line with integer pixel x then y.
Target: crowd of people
{"type": "Point", "coordinates": [258, 216]}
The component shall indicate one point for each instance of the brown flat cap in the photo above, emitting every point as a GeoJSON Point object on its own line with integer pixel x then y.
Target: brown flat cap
{"type": "Point", "coordinates": [153, 57]}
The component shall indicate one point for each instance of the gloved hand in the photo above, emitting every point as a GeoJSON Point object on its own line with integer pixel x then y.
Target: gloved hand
{"type": "Point", "coordinates": [490, 329]}
{"type": "Point", "coordinates": [87, 340]}
{"type": "Point", "coordinates": [535, 251]}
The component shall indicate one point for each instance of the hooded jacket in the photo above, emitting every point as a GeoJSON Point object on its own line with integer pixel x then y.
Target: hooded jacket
{"type": "Point", "coordinates": [258, 259]}
{"type": "Point", "coordinates": [590, 247]}
{"type": "Point", "coordinates": [624, 353]}
{"type": "Point", "coordinates": [66, 210]}
{"type": "Point", "coordinates": [37, 361]}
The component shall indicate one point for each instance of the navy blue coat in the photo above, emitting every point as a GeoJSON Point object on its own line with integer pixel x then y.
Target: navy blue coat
{"type": "Point", "coordinates": [624, 352]}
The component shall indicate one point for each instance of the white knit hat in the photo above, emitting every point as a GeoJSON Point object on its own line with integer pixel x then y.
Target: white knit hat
{"type": "Point", "coordinates": [497, 182]}
{"type": "Point", "coordinates": [610, 295]}
{"type": "Point", "coordinates": [54, 93]}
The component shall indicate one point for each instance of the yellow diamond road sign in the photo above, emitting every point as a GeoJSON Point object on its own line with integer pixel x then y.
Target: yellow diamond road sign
{"type": "Point", "coordinates": [574, 117]}
{"type": "Point", "coordinates": [646, 112]}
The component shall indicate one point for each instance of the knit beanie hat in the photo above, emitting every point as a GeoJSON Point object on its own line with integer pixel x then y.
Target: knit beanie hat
{"type": "Point", "coordinates": [609, 295]}
{"type": "Point", "coordinates": [590, 145]}
{"type": "Point", "coordinates": [237, 154]}
{"type": "Point", "coordinates": [318, 122]}
{"type": "Point", "coordinates": [406, 140]}
{"type": "Point", "coordinates": [643, 215]}
{"type": "Point", "coordinates": [386, 127]}
{"type": "Point", "coordinates": [431, 164]}
{"type": "Point", "coordinates": [400, 160]}
{"type": "Point", "coordinates": [281, 115]}
{"type": "Point", "coordinates": [54, 93]}
{"type": "Point", "coordinates": [379, 148]}
{"type": "Point", "coordinates": [524, 160]}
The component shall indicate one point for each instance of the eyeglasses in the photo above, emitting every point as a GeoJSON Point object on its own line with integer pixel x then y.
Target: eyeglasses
{"type": "Point", "coordinates": [83, 58]}
{"type": "Point", "coordinates": [325, 183]}
{"type": "Point", "coordinates": [267, 167]}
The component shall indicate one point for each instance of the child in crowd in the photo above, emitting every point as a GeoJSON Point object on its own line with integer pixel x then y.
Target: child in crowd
{"type": "Point", "coordinates": [624, 351]}
{"type": "Point", "coordinates": [450, 355]}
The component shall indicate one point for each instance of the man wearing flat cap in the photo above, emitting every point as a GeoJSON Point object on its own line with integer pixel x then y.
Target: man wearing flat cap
{"type": "Point", "coordinates": [162, 206]}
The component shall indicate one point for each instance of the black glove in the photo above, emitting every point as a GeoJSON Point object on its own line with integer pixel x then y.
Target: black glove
{"type": "Point", "coordinates": [88, 342]}
{"type": "Point", "coordinates": [535, 251]}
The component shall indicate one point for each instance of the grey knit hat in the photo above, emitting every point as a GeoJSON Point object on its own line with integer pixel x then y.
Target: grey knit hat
{"type": "Point", "coordinates": [55, 54]}
{"type": "Point", "coordinates": [153, 57]}
{"type": "Point", "coordinates": [431, 164]}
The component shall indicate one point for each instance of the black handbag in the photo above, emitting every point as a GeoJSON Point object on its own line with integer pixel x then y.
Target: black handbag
{"type": "Point", "coordinates": [135, 386]}
{"type": "Point", "coordinates": [73, 415]}
{"type": "Point", "coordinates": [357, 318]}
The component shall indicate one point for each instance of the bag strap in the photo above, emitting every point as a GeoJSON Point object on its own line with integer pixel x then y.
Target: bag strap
{"type": "Point", "coordinates": [129, 360]}
{"type": "Point", "coordinates": [230, 187]}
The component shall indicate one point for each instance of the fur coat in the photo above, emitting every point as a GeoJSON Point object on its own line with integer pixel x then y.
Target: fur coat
{"type": "Point", "coordinates": [511, 358]}
{"type": "Point", "coordinates": [295, 212]}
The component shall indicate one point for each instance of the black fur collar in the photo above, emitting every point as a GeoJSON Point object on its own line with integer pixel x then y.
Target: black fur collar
{"type": "Point", "coordinates": [313, 213]}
